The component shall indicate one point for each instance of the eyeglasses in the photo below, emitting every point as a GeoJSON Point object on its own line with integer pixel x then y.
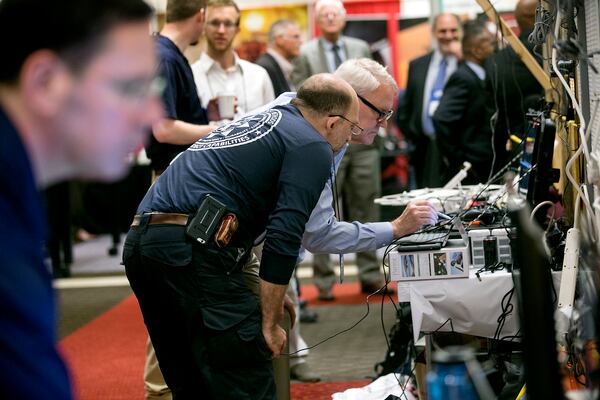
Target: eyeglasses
{"type": "Point", "coordinates": [139, 88]}
{"type": "Point", "coordinates": [354, 128]}
{"type": "Point", "coordinates": [216, 24]}
{"type": "Point", "coordinates": [331, 14]}
{"type": "Point", "coordinates": [381, 115]}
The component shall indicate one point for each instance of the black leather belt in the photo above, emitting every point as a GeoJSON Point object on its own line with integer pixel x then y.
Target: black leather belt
{"type": "Point", "coordinates": [162, 218]}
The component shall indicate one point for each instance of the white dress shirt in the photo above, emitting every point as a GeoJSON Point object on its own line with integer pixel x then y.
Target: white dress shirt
{"type": "Point", "coordinates": [249, 82]}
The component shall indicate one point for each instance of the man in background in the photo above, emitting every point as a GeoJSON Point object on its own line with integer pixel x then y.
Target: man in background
{"type": "Point", "coordinates": [185, 120]}
{"type": "Point", "coordinates": [74, 102]}
{"type": "Point", "coordinates": [358, 179]}
{"type": "Point", "coordinates": [220, 70]}
{"type": "Point", "coordinates": [462, 119]}
{"type": "Point", "coordinates": [515, 88]}
{"type": "Point", "coordinates": [327, 52]}
{"type": "Point", "coordinates": [427, 76]}
{"type": "Point", "coordinates": [284, 46]}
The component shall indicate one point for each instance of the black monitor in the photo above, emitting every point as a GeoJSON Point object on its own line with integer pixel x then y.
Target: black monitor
{"type": "Point", "coordinates": [533, 283]}
{"type": "Point", "coordinates": [538, 150]}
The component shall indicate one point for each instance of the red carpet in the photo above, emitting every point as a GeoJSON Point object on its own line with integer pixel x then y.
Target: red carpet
{"type": "Point", "coordinates": [322, 390]}
{"type": "Point", "coordinates": [106, 356]}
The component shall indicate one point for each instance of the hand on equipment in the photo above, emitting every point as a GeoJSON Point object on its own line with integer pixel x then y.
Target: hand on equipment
{"type": "Point", "coordinates": [416, 214]}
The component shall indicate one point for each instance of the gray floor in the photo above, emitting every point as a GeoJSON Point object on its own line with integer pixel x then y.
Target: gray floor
{"type": "Point", "coordinates": [98, 283]}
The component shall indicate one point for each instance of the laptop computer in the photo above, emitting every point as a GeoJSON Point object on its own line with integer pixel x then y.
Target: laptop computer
{"type": "Point", "coordinates": [433, 239]}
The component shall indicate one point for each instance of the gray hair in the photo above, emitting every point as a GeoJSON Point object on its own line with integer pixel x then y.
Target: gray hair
{"type": "Point", "coordinates": [321, 3]}
{"type": "Point", "coordinates": [365, 75]}
{"type": "Point", "coordinates": [279, 27]}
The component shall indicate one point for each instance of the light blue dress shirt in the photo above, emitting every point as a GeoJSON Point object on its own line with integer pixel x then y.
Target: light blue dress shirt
{"type": "Point", "coordinates": [325, 234]}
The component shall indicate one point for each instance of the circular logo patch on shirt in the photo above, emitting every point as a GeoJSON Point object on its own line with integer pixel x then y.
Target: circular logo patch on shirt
{"type": "Point", "coordinates": [240, 132]}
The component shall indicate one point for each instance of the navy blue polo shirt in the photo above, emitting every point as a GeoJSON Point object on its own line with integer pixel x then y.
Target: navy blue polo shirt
{"type": "Point", "coordinates": [30, 366]}
{"type": "Point", "coordinates": [269, 169]}
{"type": "Point", "coordinates": [180, 98]}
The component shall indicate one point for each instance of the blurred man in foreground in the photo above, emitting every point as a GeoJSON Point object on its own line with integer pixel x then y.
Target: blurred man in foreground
{"type": "Point", "coordinates": [77, 95]}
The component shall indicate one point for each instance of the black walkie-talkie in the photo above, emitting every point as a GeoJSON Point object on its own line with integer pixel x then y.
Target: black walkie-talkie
{"type": "Point", "coordinates": [206, 220]}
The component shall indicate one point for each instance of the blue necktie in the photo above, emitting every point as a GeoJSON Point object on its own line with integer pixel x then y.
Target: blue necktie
{"type": "Point", "coordinates": [434, 98]}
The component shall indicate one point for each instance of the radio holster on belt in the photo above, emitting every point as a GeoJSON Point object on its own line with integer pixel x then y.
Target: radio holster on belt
{"type": "Point", "coordinates": [209, 219]}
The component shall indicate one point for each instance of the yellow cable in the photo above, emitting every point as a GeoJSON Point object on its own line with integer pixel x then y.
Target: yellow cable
{"type": "Point", "coordinates": [521, 393]}
{"type": "Point", "coordinates": [518, 140]}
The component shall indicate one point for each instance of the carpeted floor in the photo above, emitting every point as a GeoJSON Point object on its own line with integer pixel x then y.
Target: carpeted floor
{"type": "Point", "coordinates": [106, 355]}
{"type": "Point", "coordinates": [345, 294]}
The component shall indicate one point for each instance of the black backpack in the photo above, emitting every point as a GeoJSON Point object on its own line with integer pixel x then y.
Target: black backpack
{"type": "Point", "coordinates": [398, 357]}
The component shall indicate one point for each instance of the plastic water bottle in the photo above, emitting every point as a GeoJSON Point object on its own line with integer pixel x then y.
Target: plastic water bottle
{"type": "Point", "coordinates": [448, 378]}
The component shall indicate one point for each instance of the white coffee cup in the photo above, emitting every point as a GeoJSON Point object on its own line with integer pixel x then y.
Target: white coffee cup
{"type": "Point", "coordinates": [226, 105]}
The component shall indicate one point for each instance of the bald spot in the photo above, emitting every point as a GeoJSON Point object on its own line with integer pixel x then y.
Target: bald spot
{"type": "Point", "coordinates": [328, 83]}
{"type": "Point", "coordinates": [326, 94]}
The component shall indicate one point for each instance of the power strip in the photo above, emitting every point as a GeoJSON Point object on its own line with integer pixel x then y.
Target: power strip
{"type": "Point", "coordinates": [568, 280]}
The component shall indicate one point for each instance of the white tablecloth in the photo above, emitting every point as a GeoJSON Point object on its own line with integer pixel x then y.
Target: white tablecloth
{"type": "Point", "coordinates": [473, 305]}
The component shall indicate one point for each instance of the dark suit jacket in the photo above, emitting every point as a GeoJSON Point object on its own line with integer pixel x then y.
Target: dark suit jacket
{"type": "Point", "coordinates": [462, 125]}
{"type": "Point", "coordinates": [280, 84]}
{"type": "Point", "coordinates": [515, 90]}
{"type": "Point", "coordinates": [410, 108]}
{"type": "Point", "coordinates": [425, 155]}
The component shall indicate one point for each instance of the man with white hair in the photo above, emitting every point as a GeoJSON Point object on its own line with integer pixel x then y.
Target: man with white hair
{"type": "Point", "coordinates": [331, 49]}
{"type": "Point", "coordinates": [358, 178]}
{"type": "Point", "coordinates": [323, 233]}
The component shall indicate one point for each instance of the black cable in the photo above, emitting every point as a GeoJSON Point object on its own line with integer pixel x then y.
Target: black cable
{"type": "Point", "coordinates": [441, 326]}
{"type": "Point", "coordinates": [355, 324]}
{"type": "Point", "coordinates": [507, 309]}
{"type": "Point", "coordinates": [510, 338]}
{"type": "Point", "coordinates": [361, 319]}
